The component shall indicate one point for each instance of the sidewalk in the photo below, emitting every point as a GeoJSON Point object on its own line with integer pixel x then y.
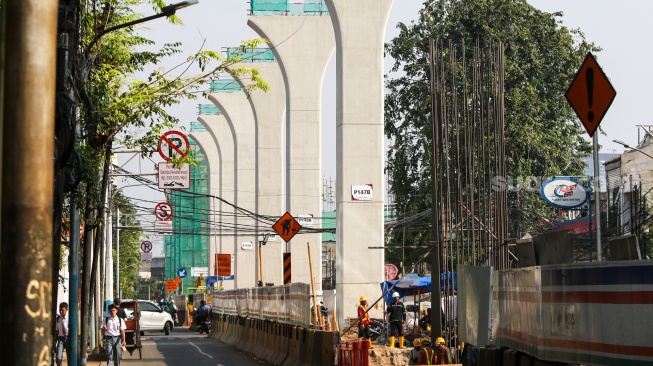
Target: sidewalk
{"type": "Point", "coordinates": [92, 360]}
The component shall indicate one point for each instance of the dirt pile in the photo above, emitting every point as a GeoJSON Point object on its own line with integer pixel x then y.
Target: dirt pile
{"type": "Point", "coordinates": [389, 356]}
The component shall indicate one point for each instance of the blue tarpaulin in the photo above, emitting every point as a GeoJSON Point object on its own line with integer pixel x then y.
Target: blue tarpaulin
{"type": "Point", "coordinates": [213, 279]}
{"type": "Point", "coordinates": [413, 284]}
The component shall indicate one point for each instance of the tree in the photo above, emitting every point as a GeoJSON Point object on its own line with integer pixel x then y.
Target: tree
{"type": "Point", "coordinates": [543, 138]}
{"type": "Point", "coordinates": [116, 108]}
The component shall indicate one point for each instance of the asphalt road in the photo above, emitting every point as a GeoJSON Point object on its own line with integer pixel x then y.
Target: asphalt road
{"type": "Point", "coordinates": [183, 347]}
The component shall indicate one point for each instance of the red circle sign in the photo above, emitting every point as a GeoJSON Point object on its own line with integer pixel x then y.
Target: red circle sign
{"type": "Point", "coordinates": [146, 246]}
{"type": "Point", "coordinates": [173, 143]}
{"type": "Point", "coordinates": [163, 211]}
{"type": "Point", "coordinates": [391, 272]}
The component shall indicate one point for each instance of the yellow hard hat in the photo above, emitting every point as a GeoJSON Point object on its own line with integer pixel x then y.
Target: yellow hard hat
{"type": "Point", "coordinates": [417, 343]}
{"type": "Point", "coordinates": [363, 298]}
{"type": "Point", "coordinates": [440, 340]}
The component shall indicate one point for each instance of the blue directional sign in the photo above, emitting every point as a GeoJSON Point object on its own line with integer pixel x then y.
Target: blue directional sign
{"type": "Point", "coordinates": [181, 272]}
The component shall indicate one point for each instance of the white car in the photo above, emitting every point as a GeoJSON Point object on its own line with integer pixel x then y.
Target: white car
{"type": "Point", "coordinates": [153, 318]}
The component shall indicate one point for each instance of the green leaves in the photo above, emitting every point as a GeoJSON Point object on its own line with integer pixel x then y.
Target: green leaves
{"type": "Point", "coordinates": [541, 58]}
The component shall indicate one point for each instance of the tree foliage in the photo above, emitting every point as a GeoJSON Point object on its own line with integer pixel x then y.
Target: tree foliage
{"type": "Point", "coordinates": [543, 137]}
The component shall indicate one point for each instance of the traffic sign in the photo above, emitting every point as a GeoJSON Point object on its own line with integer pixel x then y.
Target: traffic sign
{"type": "Point", "coordinates": [163, 228]}
{"type": "Point", "coordinates": [163, 211]}
{"type": "Point", "coordinates": [287, 227]}
{"type": "Point", "coordinates": [146, 246]}
{"type": "Point", "coordinates": [171, 285]}
{"type": "Point", "coordinates": [590, 94]}
{"type": "Point", "coordinates": [173, 144]}
{"type": "Point", "coordinates": [171, 177]}
{"type": "Point", "coordinates": [181, 272]}
{"type": "Point", "coordinates": [391, 272]}
{"type": "Point", "coordinates": [224, 264]}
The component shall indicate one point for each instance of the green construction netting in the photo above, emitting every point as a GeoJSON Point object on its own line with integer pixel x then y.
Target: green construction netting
{"type": "Point", "coordinates": [251, 54]}
{"type": "Point", "coordinates": [288, 7]}
{"type": "Point", "coordinates": [197, 126]}
{"type": "Point", "coordinates": [188, 247]}
{"type": "Point", "coordinates": [208, 109]}
{"type": "Point", "coordinates": [225, 86]}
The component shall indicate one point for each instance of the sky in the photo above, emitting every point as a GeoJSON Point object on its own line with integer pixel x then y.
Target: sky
{"type": "Point", "coordinates": [621, 31]}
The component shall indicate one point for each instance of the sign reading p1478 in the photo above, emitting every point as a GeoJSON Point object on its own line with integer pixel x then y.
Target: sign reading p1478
{"type": "Point", "coordinates": [362, 192]}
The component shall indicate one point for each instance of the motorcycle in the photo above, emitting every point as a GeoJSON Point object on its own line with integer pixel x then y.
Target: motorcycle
{"type": "Point", "coordinates": [377, 330]}
{"type": "Point", "coordinates": [205, 325]}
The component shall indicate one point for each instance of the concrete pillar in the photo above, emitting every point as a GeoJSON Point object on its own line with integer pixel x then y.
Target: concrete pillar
{"type": "Point", "coordinates": [238, 113]}
{"type": "Point", "coordinates": [225, 186]}
{"type": "Point", "coordinates": [211, 150]}
{"type": "Point", "coordinates": [360, 28]}
{"type": "Point", "coordinates": [302, 46]}
{"type": "Point", "coordinates": [269, 110]}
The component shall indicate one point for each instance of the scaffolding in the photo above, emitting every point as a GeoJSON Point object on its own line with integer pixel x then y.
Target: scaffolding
{"type": "Point", "coordinates": [197, 127]}
{"type": "Point", "coordinates": [224, 86]}
{"type": "Point", "coordinates": [188, 247]}
{"type": "Point", "coordinates": [249, 54]}
{"type": "Point", "coordinates": [288, 7]}
{"type": "Point", "coordinates": [208, 109]}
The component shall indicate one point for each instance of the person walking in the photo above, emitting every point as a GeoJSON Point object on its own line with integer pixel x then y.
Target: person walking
{"type": "Point", "coordinates": [114, 331]}
{"type": "Point", "coordinates": [364, 321]}
{"type": "Point", "coordinates": [397, 317]}
{"type": "Point", "coordinates": [121, 312]}
{"type": "Point", "coordinates": [62, 332]}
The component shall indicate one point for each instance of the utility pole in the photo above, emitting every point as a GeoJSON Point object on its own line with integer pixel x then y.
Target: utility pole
{"type": "Point", "coordinates": [29, 32]}
{"type": "Point", "coordinates": [117, 274]}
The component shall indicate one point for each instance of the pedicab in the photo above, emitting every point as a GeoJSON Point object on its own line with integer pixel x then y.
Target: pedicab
{"type": "Point", "coordinates": [133, 331]}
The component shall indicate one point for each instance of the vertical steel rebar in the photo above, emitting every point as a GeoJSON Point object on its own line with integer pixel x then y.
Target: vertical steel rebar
{"type": "Point", "coordinates": [468, 211]}
{"type": "Point", "coordinates": [30, 29]}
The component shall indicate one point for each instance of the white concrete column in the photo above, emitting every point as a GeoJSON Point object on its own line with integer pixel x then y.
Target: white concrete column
{"type": "Point", "coordinates": [238, 113]}
{"type": "Point", "coordinates": [212, 152]}
{"type": "Point", "coordinates": [360, 28]}
{"type": "Point", "coordinates": [302, 46]}
{"type": "Point", "coordinates": [269, 110]}
{"type": "Point", "coordinates": [218, 128]}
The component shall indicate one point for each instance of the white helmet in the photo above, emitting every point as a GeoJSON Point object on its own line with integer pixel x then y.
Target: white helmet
{"type": "Point", "coordinates": [395, 294]}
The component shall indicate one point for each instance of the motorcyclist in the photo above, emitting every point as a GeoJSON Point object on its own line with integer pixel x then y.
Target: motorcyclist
{"type": "Point", "coordinates": [172, 310]}
{"type": "Point", "coordinates": [199, 317]}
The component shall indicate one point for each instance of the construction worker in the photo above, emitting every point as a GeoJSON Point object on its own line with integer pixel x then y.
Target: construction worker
{"type": "Point", "coordinates": [364, 321]}
{"type": "Point", "coordinates": [397, 317]}
{"type": "Point", "coordinates": [414, 353]}
{"type": "Point", "coordinates": [426, 355]}
{"type": "Point", "coordinates": [442, 354]}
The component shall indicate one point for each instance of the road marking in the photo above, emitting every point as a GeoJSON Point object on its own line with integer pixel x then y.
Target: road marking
{"type": "Point", "coordinates": [200, 351]}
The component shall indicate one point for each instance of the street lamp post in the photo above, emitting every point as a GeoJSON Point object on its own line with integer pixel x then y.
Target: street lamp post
{"type": "Point", "coordinates": [166, 11]}
{"type": "Point", "coordinates": [634, 148]}
{"type": "Point", "coordinates": [266, 236]}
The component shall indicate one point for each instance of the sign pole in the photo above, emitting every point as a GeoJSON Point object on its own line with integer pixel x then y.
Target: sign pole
{"type": "Point", "coordinates": [597, 194]}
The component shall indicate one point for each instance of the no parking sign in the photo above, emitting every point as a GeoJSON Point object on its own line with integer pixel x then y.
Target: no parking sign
{"type": "Point", "coordinates": [173, 144]}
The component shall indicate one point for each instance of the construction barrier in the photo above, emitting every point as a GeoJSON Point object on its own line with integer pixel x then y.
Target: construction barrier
{"type": "Point", "coordinates": [276, 343]}
{"type": "Point", "coordinates": [288, 304]}
{"type": "Point", "coordinates": [354, 354]}
{"type": "Point", "coordinates": [566, 313]}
